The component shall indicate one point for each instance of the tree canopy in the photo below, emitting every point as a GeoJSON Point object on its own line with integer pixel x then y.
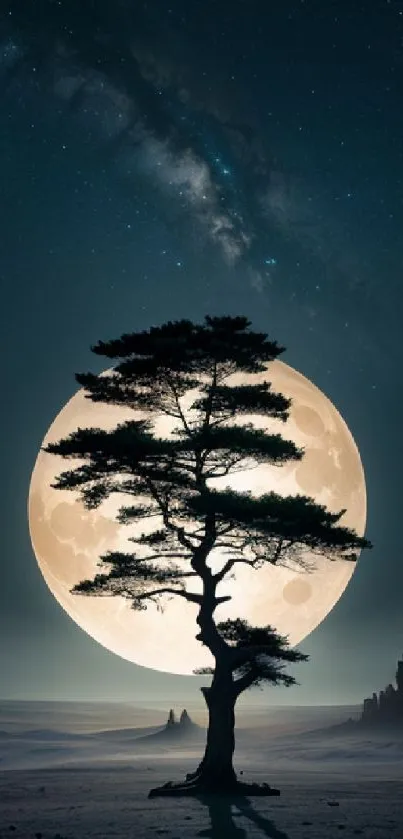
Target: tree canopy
{"type": "Point", "coordinates": [182, 371]}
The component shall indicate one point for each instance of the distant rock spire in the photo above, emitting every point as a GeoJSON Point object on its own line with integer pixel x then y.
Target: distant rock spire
{"type": "Point", "coordinates": [171, 718]}
{"type": "Point", "coordinates": [183, 723]}
{"type": "Point", "coordinates": [185, 719]}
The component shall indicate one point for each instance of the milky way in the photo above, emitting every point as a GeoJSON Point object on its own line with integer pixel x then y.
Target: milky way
{"type": "Point", "coordinates": [169, 158]}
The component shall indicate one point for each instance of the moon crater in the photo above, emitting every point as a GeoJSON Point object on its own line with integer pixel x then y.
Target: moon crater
{"type": "Point", "coordinates": [297, 592]}
{"type": "Point", "coordinates": [308, 421]}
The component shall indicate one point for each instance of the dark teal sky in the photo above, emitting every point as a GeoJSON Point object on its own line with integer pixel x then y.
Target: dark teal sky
{"type": "Point", "coordinates": [194, 158]}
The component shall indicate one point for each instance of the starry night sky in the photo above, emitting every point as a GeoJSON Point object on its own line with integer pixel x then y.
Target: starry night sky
{"type": "Point", "coordinates": [171, 159]}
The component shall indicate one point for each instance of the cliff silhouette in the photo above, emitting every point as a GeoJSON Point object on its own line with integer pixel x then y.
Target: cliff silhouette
{"type": "Point", "coordinates": [385, 708]}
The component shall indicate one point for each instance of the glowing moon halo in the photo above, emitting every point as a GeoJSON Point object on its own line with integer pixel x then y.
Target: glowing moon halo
{"type": "Point", "coordinates": [68, 540]}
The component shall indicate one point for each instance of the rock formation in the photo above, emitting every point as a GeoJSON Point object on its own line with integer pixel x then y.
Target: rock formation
{"type": "Point", "coordinates": [184, 724]}
{"type": "Point", "coordinates": [185, 720]}
{"type": "Point", "coordinates": [174, 732]}
{"type": "Point", "coordinates": [387, 707]}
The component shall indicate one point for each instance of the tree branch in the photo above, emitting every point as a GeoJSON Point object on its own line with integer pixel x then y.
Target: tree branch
{"type": "Point", "coordinates": [180, 414]}
{"type": "Point", "coordinates": [246, 681]}
{"type": "Point", "coordinates": [223, 599]}
{"type": "Point", "coordinates": [229, 470]}
{"type": "Point", "coordinates": [162, 555]}
{"type": "Point", "coordinates": [242, 655]}
{"type": "Point", "coordinates": [187, 595]}
{"type": "Point", "coordinates": [179, 531]}
{"type": "Point", "coordinates": [230, 564]}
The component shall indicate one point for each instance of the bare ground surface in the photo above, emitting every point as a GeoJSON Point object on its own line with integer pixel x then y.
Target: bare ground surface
{"type": "Point", "coordinates": [80, 772]}
{"type": "Point", "coordinates": [106, 801]}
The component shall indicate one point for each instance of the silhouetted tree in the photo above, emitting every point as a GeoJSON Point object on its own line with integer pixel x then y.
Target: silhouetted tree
{"type": "Point", "coordinates": [182, 371]}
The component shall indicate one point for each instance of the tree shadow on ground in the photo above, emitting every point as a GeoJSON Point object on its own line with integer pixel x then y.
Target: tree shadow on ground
{"type": "Point", "coordinates": [221, 812]}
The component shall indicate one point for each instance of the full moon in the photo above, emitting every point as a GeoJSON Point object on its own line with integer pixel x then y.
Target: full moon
{"type": "Point", "coordinates": [68, 539]}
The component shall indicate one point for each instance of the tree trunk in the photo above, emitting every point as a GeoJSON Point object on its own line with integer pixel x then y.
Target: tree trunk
{"type": "Point", "coordinates": [216, 771]}
{"type": "Point", "coordinates": [216, 775]}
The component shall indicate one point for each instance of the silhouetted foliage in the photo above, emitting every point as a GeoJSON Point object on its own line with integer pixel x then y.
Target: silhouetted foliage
{"type": "Point", "coordinates": [260, 655]}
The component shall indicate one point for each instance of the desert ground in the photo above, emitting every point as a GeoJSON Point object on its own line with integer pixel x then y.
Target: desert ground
{"type": "Point", "coordinates": [78, 771]}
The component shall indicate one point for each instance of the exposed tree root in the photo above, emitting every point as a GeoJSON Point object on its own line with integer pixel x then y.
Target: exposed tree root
{"type": "Point", "coordinates": [198, 787]}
